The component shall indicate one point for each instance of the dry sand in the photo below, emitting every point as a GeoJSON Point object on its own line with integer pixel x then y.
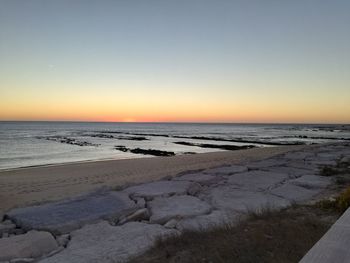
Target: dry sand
{"type": "Point", "coordinates": [27, 186]}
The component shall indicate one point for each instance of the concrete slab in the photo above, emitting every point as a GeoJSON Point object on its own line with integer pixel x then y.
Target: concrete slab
{"type": "Point", "coordinates": [104, 243]}
{"type": "Point", "coordinates": [63, 217]}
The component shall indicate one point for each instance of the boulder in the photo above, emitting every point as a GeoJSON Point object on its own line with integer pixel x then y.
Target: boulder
{"type": "Point", "coordinates": [256, 180]}
{"type": "Point", "coordinates": [159, 188]}
{"type": "Point", "coordinates": [65, 216]}
{"type": "Point", "coordinates": [312, 181]}
{"type": "Point", "coordinates": [231, 199]}
{"type": "Point", "coordinates": [33, 244]}
{"type": "Point", "coordinates": [104, 243]}
{"type": "Point", "coordinates": [163, 209]}
{"type": "Point", "coordinates": [226, 170]}
{"type": "Point", "coordinates": [294, 193]}
{"type": "Point", "coordinates": [206, 222]}
{"type": "Point", "coordinates": [201, 178]}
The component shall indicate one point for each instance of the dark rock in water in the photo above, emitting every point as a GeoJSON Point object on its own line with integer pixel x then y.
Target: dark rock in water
{"type": "Point", "coordinates": [65, 216]}
{"type": "Point", "coordinates": [144, 151]}
{"type": "Point", "coordinates": [132, 138]}
{"type": "Point", "coordinates": [216, 146]}
{"type": "Point", "coordinates": [106, 136]}
{"type": "Point", "coordinates": [63, 139]}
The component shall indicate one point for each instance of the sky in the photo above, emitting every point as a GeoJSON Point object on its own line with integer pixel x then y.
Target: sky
{"type": "Point", "coordinates": [175, 61]}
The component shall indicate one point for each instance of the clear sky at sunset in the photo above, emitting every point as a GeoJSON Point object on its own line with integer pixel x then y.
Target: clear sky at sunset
{"type": "Point", "coordinates": [180, 60]}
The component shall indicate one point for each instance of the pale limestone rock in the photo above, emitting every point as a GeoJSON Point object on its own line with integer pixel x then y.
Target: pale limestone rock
{"type": "Point", "coordinates": [141, 214]}
{"type": "Point", "coordinates": [34, 244]}
{"type": "Point", "coordinates": [256, 180]}
{"type": "Point", "coordinates": [311, 181]}
{"type": "Point", "coordinates": [231, 199]}
{"type": "Point", "coordinates": [171, 223]}
{"type": "Point", "coordinates": [226, 170]}
{"type": "Point", "coordinates": [295, 193]}
{"type": "Point", "coordinates": [201, 178]}
{"type": "Point", "coordinates": [104, 243]}
{"type": "Point", "coordinates": [65, 216]}
{"type": "Point", "coordinates": [163, 209]}
{"type": "Point", "coordinates": [267, 163]}
{"type": "Point", "coordinates": [159, 188]}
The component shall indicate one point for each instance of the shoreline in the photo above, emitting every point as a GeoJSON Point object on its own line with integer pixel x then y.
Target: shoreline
{"type": "Point", "coordinates": [35, 185]}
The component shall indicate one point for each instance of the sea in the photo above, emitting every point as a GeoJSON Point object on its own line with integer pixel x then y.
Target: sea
{"type": "Point", "coordinates": [26, 144]}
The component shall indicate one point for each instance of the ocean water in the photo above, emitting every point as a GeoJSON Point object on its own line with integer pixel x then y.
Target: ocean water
{"type": "Point", "coordinates": [25, 144]}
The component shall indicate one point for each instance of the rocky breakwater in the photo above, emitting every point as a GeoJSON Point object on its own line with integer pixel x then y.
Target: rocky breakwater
{"type": "Point", "coordinates": [113, 226]}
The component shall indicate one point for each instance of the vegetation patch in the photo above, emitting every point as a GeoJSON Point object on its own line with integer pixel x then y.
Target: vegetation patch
{"type": "Point", "coordinates": [267, 236]}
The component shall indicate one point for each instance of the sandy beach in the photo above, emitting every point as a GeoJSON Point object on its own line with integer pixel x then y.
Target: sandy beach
{"type": "Point", "coordinates": [26, 186]}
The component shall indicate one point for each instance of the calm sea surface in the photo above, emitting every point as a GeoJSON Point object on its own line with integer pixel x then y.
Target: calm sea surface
{"type": "Point", "coordinates": [39, 143]}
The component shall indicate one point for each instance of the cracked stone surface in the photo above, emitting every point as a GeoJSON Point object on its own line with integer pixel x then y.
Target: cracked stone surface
{"type": "Point", "coordinates": [33, 244]}
{"type": "Point", "coordinates": [312, 181]}
{"type": "Point", "coordinates": [226, 170]}
{"type": "Point", "coordinates": [267, 163]}
{"type": "Point", "coordinates": [104, 243]}
{"type": "Point", "coordinates": [159, 188]}
{"type": "Point", "coordinates": [63, 217]}
{"type": "Point", "coordinates": [164, 209]}
{"type": "Point", "coordinates": [291, 171]}
{"type": "Point", "coordinates": [201, 178]}
{"type": "Point", "coordinates": [232, 199]}
{"type": "Point", "coordinates": [295, 193]}
{"type": "Point", "coordinates": [256, 180]}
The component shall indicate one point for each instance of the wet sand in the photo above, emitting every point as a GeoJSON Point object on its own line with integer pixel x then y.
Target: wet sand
{"type": "Point", "coordinates": [27, 186]}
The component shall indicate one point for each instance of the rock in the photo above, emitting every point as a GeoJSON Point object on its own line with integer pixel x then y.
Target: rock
{"type": "Point", "coordinates": [141, 214]}
{"type": "Point", "coordinates": [159, 188]}
{"type": "Point", "coordinates": [206, 222]}
{"type": "Point", "coordinates": [171, 223]}
{"type": "Point", "coordinates": [201, 178]}
{"type": "Point", "coordinates": [226, 170]}
{"type": "Point", "coordinates": [311, 181]}
{"type": "Point", "coordinates": [267, 163]}
{"type": "Point", "coordinates": [34, 244]}
{"type": "Point", "coordinates": [345, 159]}
{"type": "Point", "coordinates": [194, 189]}
{"type": "Point", "coordinates": [22, 260]}
{"type": "Point", "coordinates": [294, 193]}
{"type": "Point", "coordinates": [104, 243]}
{"type": "Point", "coordinates": [256, 180]}
{"type": "Point", "coordinates": [6, 228]}
{"type": "Point", "coordinates": [237, 200]}
{"type": "Point", "coordinates": [163, 209]}
{"type": "Point", "coordinates": [298, 155]}
{"type": "Point", "coordinates": [291, 171]}
{"type": "Point", "coordinates": [63, 240]}
{"type": "Point", "coordinates": [140, 202]}
{"type": "Point", "coordinates": [65, 216]}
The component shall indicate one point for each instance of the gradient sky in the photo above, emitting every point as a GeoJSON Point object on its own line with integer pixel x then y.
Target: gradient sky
{"type": "Point", "coordinates": [180, 60]}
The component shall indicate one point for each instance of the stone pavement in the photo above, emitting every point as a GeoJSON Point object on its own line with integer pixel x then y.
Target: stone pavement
{"type": "Point", "coordinates": [113, 226]}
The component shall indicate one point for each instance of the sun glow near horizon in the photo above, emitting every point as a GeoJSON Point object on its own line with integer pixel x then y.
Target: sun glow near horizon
{"type": "Point", "coordinates": [175, 62]}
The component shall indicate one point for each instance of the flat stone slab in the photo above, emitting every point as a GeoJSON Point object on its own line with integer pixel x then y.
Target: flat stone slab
{"type": "Point", "coordinates": [33, 244]}
{"type": "Point", "coordinates": [295, 193]}
{"type": "Point", "coordinates": [159, 188]}
{"type": "Point", "coordinates": [256, 180]}
{"type": "Point", "coordinates": [267, 163]}
{"type": "Point", "coordinates": [291, 171]}
{"type": "Point", "coordinates": [201, 178]}
{"type": "Point", "coordinates": [63, 217]}
{"type": "Point", "coordinates": [298, 155]}
{"type": "Point", "coordinates": [232, 199]}
{"type": "Point", "coordinates": [104, 243]}
{"type": "Point", "coordinates": [205, 222]}
{"type": "Point", "coordinates": [164, 209]}
{"type": "Point", "coordinates": [226, 170]}
{"type": "Point", "coordinates": [334, 245]}
{"type": "Point", "coordinates": [311, 181]}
